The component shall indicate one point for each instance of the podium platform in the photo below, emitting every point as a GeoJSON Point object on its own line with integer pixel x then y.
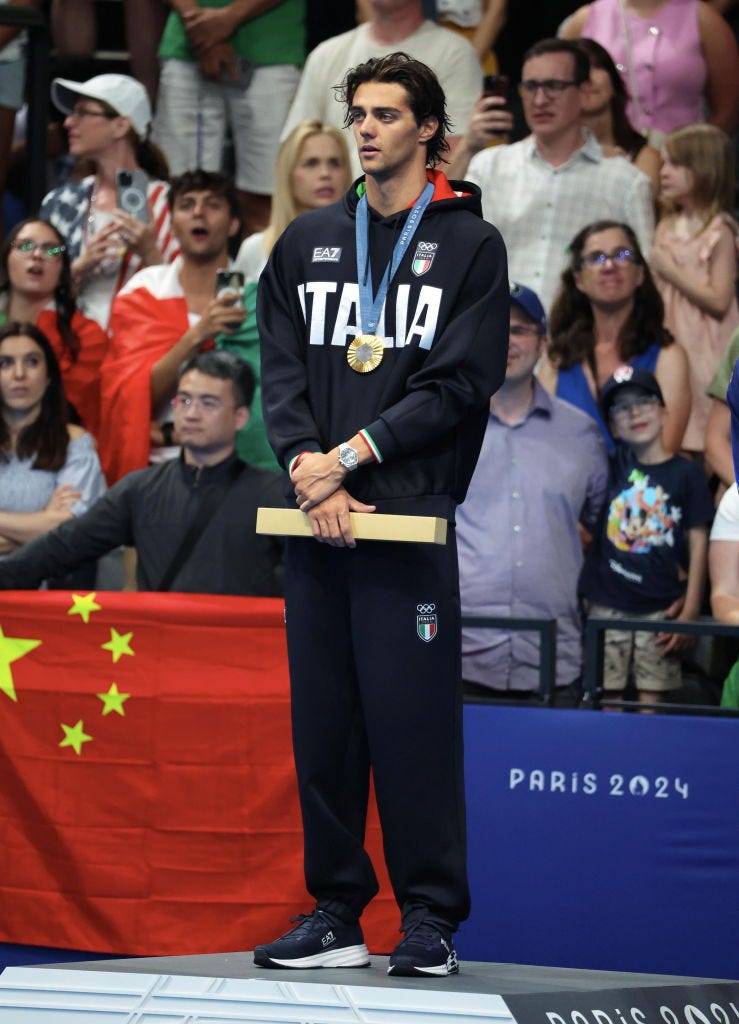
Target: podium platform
{"type": "Point", "coordinates": [221, 988]}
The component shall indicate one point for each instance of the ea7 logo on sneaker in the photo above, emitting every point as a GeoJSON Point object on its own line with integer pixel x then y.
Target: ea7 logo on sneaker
{"type": "Point", "coordinates": [425, 252]}
{"type": "Point", "coordinates": [327, 939]}
{"type": "Point", "coordinates": [326, 254]}
{"type": "Point", "coordinates": [426, 624]}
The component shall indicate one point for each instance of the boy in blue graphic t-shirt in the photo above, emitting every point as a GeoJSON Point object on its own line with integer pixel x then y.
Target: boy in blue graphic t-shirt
{"type": "Point", "coordinates": [649, 557]}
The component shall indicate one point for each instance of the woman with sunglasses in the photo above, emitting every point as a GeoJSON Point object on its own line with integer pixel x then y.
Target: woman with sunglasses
{"type": "Point", "coordinates": [107, 124]}
{"type": "Point", "coordinates": [49, 469]}
{"type": "Point", "coordinates": [36, 287]}
{"type": "Point", "coordinates": [608, 312]}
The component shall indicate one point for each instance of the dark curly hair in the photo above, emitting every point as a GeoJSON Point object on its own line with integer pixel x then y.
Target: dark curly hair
{"type": "Point", "coordinates": [64, 298]}
{"type": "Point", "coordinates": [571, 320]}
{"type": "Point", "coordinates": [425, 94]}
{"type": "Point", "coordinates": [48, 436]}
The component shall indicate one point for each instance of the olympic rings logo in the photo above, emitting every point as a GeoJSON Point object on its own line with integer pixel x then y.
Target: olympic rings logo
{"type": "Point", "coordinates": [425, 609]}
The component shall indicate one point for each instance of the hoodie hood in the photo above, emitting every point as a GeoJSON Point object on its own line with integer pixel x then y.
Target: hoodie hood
{"type": "Point", "coordinates": [448, 195]}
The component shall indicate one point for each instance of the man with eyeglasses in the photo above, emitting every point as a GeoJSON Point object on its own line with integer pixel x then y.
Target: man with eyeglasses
{"type": "Point", "coordinates": [541, 191]}
{"type": "Point", "coordinates": [191, 519]}
{"type": "Point", "coordinates": [540, 481]}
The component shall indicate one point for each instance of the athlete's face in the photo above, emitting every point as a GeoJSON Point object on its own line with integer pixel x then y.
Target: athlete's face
{"type": "Point", "coordinates": [389, 140]}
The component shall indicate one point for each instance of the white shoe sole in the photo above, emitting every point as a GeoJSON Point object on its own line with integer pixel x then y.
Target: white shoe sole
{"type": "Point", "coordinates": [346, 956]}
{"type": "Point", "coordinates": [411, 971]}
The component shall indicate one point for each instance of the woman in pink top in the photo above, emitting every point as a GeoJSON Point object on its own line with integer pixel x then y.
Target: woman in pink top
{"type": "Point", "coordinates": [678, 59]}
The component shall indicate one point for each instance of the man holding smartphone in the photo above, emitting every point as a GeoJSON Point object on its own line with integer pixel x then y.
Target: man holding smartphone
{"type": "Point", "coordinates": [541, 191]}
{"type": "Point", "coordinates": [165, 315]}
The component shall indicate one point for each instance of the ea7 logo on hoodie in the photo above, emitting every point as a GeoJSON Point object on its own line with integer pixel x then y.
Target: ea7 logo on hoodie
{"type": "Point", "coordinates": [326, 254]}
{"type": "Point", "coordinates": [333, 316]}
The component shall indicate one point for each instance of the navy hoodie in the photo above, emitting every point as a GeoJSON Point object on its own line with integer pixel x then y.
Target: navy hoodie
{"type": "Point", "coordinates": [445, 325]}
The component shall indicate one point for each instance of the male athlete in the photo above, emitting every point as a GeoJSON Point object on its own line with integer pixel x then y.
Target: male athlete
{"type": "Point", "coordinates": [384, 327]}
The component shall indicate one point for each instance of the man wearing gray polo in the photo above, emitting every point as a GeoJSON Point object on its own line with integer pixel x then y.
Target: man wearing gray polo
{"type": "Point", "coordinates": [541, 475]}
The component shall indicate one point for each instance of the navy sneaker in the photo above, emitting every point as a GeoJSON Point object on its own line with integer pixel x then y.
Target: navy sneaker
{"type": "Point", "coordinates": [319, 940]}
{"type": "Point", "coordinates": [426, 950]}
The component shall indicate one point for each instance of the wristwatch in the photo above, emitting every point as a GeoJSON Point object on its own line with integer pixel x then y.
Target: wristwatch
{"type": "Point", "coordinates": [348, 457]}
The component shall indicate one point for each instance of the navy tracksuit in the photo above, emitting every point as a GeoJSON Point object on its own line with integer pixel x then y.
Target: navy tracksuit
{"type": "Point", "coordinates": [374, 631]}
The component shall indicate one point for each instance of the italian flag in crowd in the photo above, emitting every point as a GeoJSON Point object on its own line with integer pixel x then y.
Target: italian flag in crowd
{"type": "Point", "coordinates": [148, 803]}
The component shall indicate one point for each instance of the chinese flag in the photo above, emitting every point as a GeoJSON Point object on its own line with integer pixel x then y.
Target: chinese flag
{"type": "Point", "coordinates": [148, 804]}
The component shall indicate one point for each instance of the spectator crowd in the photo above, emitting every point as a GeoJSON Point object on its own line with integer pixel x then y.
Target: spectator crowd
{"type": "Point", "coordinates": [129, 346]}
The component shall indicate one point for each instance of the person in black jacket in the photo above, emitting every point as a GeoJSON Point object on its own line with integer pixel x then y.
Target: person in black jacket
{"type": "Point", "coordinates": [375, 394]}
{"type": "Point", "coordinates": [191, 519]}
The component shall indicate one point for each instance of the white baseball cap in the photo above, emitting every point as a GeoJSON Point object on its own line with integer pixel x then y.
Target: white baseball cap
{"type": "Point", "coordinates": [124, 94]}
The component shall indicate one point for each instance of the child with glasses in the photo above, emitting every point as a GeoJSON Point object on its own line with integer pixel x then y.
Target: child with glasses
{"type": "Point", "coordinates": [648, 559]}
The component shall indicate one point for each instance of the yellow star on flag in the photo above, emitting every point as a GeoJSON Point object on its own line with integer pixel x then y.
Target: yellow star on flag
{"type": "Point", "coordinates": [113, 700]}
{"type": "Point", "coordinates": [11, 649]}
{"type": "Point", "coordinates": [75, 736]}
{"type": "Point", "coordinates": [84, 605]}
{"type": "Point", "coordinates": [118, 645]}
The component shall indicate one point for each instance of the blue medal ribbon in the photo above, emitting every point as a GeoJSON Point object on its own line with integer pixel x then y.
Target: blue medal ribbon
{"type": "Point", "coordinates": [370, 306]}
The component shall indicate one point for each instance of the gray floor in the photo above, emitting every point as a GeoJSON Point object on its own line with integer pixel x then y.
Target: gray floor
{"type": "Point", "coordinates": [500, 979]}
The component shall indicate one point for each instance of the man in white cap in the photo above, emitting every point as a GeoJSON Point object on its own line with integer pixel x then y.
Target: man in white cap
{"type": "Point", "coordinates": [107, 122]}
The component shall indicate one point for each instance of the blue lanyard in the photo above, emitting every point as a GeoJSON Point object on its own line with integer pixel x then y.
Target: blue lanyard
{"type": "Point", "coordinates": [369, 307]}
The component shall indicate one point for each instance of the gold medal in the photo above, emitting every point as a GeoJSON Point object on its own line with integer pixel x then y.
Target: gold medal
{"type": "Point", "coordinates": [365, 353]}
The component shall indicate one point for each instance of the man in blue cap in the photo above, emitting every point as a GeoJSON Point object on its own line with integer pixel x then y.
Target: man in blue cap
{"type": "Point", "coordinates": [541, 478]}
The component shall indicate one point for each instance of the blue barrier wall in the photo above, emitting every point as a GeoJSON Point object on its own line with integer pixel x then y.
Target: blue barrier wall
{"type": "Point", "coordinates": [603, 840]}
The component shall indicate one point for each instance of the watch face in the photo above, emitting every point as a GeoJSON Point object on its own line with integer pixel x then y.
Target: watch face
{"type": "Point", "coordinates": [348, 457]}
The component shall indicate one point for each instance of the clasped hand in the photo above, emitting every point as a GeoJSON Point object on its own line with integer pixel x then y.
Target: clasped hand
{"type": "Point", "coordinates": [319, 493]}
{"type": "Point", "coordinates": [316, 477]}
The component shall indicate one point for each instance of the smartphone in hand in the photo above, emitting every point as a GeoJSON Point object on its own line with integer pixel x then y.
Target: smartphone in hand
{"type": "Point", "coordinates": [230, 282]}
{"type": "Point", "coordinates": [131, 193]}
{"type": "Point", "coordinates": [496, 85]}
